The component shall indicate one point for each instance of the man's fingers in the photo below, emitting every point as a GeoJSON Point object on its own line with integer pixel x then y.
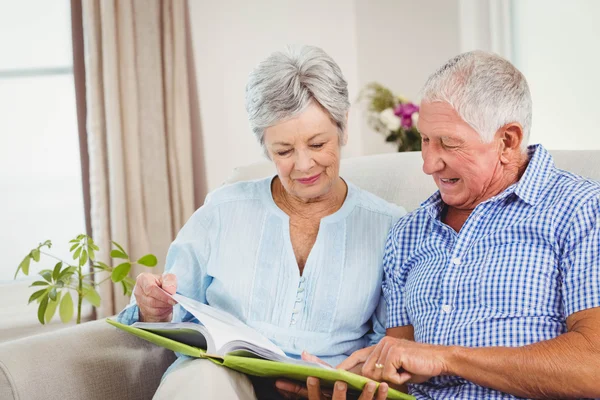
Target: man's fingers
{"type": "Point", "coordinates": [370, 369]}
{"type": "Point", "coordinates": [291, 389]}
{"type": "Point", "coordinates": [169, 283]}
{"type": "Point", "coordinates": [356, 358]}
{"type": "Point", "coordinates": [339, 391]}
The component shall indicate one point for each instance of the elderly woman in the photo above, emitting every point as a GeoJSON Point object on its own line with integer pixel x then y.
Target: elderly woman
{"type": "Point", "coordinates": [296, 256]}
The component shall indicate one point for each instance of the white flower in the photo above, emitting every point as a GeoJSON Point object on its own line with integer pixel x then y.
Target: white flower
{"type": "Point", "coordinates": [389, 119]}
{"type": "Point", "coordinates": [415, 118]}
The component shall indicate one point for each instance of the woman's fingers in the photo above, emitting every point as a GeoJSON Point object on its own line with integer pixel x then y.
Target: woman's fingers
{"type": "Point", "coordinates": [291, 390]}
{"type": "Point", "coordinates": [356, 358]}
{"type": "Point", "coordinates": [339, 391]}
{"type": "Point", "coordinates": [153, 302]}
{"type": "Point", "coordinates": [306, 356]}
{"type": "Point", "coordinates": [314, 389]}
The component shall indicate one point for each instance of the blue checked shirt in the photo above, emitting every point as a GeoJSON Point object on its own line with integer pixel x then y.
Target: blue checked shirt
{"type": "Point", "coordinates": [523, 262]}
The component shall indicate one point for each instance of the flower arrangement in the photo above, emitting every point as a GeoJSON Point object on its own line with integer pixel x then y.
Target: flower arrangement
{"type": "Point", "coordinates": [393, 116]}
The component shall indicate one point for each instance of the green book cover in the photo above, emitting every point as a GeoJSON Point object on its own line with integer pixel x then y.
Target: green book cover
{"type": "Point", "coordinates": [260, 367]}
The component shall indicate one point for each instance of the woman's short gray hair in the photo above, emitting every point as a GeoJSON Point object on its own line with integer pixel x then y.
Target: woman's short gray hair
{"type": "Point", "coordinates": [284, 84]}
{"type": "Point", "coordinates": [486, 91]}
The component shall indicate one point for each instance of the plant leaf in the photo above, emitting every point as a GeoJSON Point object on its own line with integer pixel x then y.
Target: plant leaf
{"type": "Point", "coordinates": [77, 253]}
{"type": "Point", "coordinates": [91, 254]}
{"type": "Point", "coordinates": [93, 246]}
{"type": "Point", "coordinates": [149, 260]}
{"type": "Point", "coordinates": [42, 310]}
{"type": "Point", "coordinates": [83, 259]}
{"type": "Point", "coordinates": [124, 288]}
{"type": "Point", "coordinates": [120, 272]}
{"type": "Point", "coordinates": [101, 265]}
{"type": "Point", "coordinates": [47, 275]}
{"type": "Point", "coordinates": [80, 236]}
{"type": "Point", "coordinates": [56, 272]}
{"type": "Point", "coordinates": [24, 266]}
{"type": "Point", "coordinates": [67, 272]}
{"type": "Point", "coordinates": [36, 295]}
{"type": "Point", "coordinates": [66, 308]}
{"type": "Point", "coordinates": [91, 295]}
{"type": "Point", "coordinates": [39, 283]}
{"type": "Point", "coordinates": [74, 246]}
{"type": "Point", "coordinates": [120, 248]}
{"type": "Point", "coordinates": [51, 309]}
{"type": "Point", "coordinates": [35, 254]}
{"type": "Point", "coordinates": [52, 294]}
{"type": "Point", "coordinates": [118, 254]}
{"type": "Point", "coordinates": [74, 241]}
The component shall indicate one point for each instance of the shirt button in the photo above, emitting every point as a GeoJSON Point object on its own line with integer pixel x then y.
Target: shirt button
{"type": "Point", "coordinates": [300, 290]}
{"type": "Point", "coordinates": [298, 299]}
{"type": "Point", "coordinates": [302, 279]}
{"type": "Point", "coordinates": [293, 321]}
{"type": "Point", "coordinates": [456, 261]}
{"type": "Point", "coordinates": [446, 308]}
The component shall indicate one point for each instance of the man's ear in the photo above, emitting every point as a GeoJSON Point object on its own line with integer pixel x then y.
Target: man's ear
{"type": "Point", "coordinates": [511, 137]}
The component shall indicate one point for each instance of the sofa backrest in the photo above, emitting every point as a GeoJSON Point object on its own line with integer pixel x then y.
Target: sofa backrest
{"type": "Point", "coordinates": [399, 178]}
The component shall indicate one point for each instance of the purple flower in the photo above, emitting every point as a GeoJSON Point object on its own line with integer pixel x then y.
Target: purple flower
{"type": "Point", "coordinates": [405, 112]}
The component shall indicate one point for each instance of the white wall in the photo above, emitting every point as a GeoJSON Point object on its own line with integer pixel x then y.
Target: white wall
{"type": "Point", "coordinates": [557, 47]}
{"type": "Point", "coordinates": [395, 42]}
{"type": "Point", "coordinates": [231, 38]}
{"type": "Point", "coordinates": [401, 42]}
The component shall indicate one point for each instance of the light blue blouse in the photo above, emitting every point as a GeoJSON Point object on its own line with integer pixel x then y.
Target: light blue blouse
{"type": "Point", "coordinates": [235, 254]}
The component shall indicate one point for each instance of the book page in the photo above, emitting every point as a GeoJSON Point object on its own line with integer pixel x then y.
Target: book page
{"type": "Point", "coordinates": [224, 328]}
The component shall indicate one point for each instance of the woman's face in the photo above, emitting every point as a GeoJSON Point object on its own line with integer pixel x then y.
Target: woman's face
{"type": "Point", "coordinates": [306, 153]}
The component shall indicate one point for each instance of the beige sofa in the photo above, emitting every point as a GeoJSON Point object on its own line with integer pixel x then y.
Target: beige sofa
{"type": "Point", "coordinates": [96, 361]}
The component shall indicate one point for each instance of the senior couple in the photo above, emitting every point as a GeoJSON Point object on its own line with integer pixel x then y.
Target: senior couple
{"type": "Point", "coordinates": [492, 286]}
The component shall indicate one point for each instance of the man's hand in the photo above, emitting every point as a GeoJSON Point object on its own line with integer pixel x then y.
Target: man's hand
{"type": "Point", "coordinates": [399, 361]}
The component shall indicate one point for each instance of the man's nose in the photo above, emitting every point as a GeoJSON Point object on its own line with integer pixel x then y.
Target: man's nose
{"type": "Point", "coordinates": [432, 162]}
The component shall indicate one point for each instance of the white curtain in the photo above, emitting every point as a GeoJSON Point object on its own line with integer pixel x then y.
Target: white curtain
{"type": "Point", "coordinates": [138, 127]}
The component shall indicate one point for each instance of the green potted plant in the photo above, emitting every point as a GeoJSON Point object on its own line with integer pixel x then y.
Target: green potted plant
{"type": "Point", "coordinates": [66, 280]}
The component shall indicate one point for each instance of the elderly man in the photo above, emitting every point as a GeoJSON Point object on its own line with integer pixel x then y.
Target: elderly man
{"type": "Point", "coordinates": [493, 284]}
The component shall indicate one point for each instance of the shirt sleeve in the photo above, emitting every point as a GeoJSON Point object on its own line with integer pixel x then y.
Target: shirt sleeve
{"type": "Point", "coordinates": [187, 259]}
{"type": "Point", "coordinates": [378, 323]}
{"type": "Point", "coordinates": [394, 281]}
{"type": "Point", "coordinates": [580, 261]}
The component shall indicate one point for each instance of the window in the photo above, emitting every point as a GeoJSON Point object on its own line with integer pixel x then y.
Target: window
{"type": "Point", "coordinates": [40, 170]}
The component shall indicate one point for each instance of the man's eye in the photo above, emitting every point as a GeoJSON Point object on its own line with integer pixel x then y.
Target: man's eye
{"type": "Point", "coordinates": [425, 140]}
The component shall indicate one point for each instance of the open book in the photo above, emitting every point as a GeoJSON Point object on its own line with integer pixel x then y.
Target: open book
{"type": "Point", "coordinates": [225, 340]}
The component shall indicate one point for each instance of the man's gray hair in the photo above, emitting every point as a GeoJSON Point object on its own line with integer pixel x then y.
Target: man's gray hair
{"type": "Point", "coordinates": [486, 91]}
{"type": "Point", "coordinates": [283, 85]}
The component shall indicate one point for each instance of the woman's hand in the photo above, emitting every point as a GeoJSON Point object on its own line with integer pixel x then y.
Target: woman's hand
{"type": "Point", "coordinates": [154, 304]}
{"type": "Point", "coordinates": [312, 390]}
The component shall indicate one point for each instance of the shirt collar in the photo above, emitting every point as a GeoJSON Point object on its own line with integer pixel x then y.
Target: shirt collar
{"type": "Point", "coordinates": [528, 188]}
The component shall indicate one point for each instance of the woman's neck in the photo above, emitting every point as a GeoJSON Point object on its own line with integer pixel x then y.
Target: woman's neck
{"type": "Point", "coordinates": [317, 207]}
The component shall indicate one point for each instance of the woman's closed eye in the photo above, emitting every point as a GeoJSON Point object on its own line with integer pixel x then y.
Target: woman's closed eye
{"type": "Point", "coordinates": [283, 152]}
{"type": "Point", "coordinates": [317, 145]}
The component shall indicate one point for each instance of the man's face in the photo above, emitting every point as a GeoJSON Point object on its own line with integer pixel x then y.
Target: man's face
{"type": "Point", "coordinates": [464, 168]}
